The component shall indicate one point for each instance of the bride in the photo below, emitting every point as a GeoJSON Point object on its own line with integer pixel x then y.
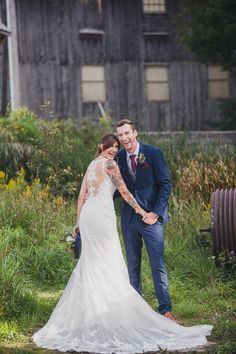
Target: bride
{"type": "Point", "coordinates": [99, 311]}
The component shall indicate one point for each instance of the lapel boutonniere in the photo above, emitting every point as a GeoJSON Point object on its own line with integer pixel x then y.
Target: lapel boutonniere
{"type": "Point", "coordinates": [141, 159]}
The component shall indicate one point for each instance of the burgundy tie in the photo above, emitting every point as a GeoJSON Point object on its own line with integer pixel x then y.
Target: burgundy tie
{"type": "Point", "coordinates": [133, 163]}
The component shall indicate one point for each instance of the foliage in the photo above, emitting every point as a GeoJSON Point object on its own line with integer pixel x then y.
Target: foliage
{"type": "Point", "coordinates": [21, 126]}
{"type": "Point", "coordinates": [53, 151]}
{"type": "Point", "coordinates": [58, 153]}
{"type": "Point", "coordinates": [206, 174]}
{"type": "Point", "coordinates": [208, 28]}
{"type": "Point", "coordinates": [17, 140]}
{"type": "Point", "coordinates": [197, 170]}
{"type": "Point", "coordinates": [228, 109]}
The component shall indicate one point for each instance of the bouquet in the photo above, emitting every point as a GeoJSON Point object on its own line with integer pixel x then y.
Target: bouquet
{"type": "Point", "coordinates": [75, 238]}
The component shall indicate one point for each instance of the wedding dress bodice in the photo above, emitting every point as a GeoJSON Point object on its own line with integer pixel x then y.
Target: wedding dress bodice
{"type": "Point", "coordinates": [99, 183]}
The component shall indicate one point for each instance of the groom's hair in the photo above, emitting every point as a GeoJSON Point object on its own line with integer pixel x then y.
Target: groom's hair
{"type": "Point", "coordinates": [126, 121]}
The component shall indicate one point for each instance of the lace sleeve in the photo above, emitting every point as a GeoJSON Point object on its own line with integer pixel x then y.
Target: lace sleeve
{"type": "Point", "coordinates": [112, 169]}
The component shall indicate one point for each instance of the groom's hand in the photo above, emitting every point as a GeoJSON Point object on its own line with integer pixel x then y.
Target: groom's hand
{"type": "Point", "coordinates": [150, 218]}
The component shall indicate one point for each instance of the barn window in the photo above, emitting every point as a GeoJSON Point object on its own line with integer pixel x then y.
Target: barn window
{"type": "Point", "coordinates": [93, 83]}
{"type": "Point", "coordinates": [154, 5]}
{"type": "Point", "coordinates": [157, 83]}
{"type": "Point", "coordinates": [218, 82]}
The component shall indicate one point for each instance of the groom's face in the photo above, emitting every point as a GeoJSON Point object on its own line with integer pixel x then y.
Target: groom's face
{"type": "Point", "coordinates": [127, 137]}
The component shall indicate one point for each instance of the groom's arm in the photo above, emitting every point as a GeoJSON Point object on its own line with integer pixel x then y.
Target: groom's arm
{"type": "Point", "coordinates": [112, 169]}
{"type": "Point", "coordinates": [163, 181]}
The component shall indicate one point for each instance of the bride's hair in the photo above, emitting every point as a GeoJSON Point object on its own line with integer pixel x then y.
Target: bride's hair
{"type": "Point", "coordinates": [107, 141]}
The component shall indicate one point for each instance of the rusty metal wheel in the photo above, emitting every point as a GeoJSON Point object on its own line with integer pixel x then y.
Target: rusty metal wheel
{"type": "Point", "coordinates": [223, 220]}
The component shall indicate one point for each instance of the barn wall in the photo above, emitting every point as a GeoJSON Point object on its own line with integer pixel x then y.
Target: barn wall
{"type": "Point", "coordinates": [53, 44]}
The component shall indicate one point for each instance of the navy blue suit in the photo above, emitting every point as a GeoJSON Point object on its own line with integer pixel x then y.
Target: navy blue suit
{"type": "Point", "coordinates": [151, 187]}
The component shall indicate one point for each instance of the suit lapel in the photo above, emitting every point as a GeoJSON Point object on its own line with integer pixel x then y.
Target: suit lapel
{"type": "Point", "coordinates": [139, 165]}
{"type": "Point", "coordinates": [125, 169]}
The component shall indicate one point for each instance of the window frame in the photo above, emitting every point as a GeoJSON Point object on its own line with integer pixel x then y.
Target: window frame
{"type": "Point", "coordinates": [158, 82]}
{"type": "Point", "coordinates": [211, 80]}
{"type": "Point", "coordinates": [87, 82]}
{"type": "Point", "coordinates": [154, 6]}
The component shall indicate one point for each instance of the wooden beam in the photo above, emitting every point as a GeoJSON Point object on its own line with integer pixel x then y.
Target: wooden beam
{"type": "Point", "coordinates": [3, 29]}
{"type": "Point", "coordinates": [13, 56]}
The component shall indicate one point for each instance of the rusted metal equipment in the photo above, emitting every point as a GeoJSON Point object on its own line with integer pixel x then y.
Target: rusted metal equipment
{"type": "Point", "coordinates": [223, 220]}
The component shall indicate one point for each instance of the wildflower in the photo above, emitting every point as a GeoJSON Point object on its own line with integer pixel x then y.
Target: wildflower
{"type": "Point", "coordinates": [44, 192]}
{"type": "Point", "coordinates": [2, 174]}
{"type": "Point", "coordinates": [36, 181]}
{"type": "Point", "coordinates": [11, 185]}
{"type": "Point", "coordinates": [21, 173]}
{"type": "Point", "coordinates": [28, 191]}
{"type": "Point", "coordinates": [59, 201]}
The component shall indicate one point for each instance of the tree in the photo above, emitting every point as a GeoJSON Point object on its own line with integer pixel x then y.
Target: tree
{"type": "Point", "coordinates": [208, 29]}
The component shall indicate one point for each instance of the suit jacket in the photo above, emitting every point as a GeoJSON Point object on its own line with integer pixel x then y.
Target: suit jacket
{"type": "Point", "coordinates": [151, 186]}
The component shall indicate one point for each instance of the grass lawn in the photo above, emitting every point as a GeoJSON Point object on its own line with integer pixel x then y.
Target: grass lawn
{"type": "Point", "coordinates": [201, 292]}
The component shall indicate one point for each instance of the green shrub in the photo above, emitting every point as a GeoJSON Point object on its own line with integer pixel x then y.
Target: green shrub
{"type": "Point", "coordinates": [21, 127]}
{"type": "Point", "coordinates": [58, 153]}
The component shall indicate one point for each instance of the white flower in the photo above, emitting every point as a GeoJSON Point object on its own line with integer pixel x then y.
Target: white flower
{"type": "Point", "coordinates": [70, 239]}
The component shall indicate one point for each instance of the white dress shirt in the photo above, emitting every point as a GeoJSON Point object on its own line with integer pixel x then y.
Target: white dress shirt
{"type": "Point", "coordinates": [129, 160]}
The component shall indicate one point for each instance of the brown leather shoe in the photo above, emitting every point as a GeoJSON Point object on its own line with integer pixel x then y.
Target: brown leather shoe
{"type": "Point", "coordinates": [172, 317]}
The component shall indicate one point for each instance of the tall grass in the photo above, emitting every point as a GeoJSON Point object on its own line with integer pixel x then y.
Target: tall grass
{"type": "Point", "coordinates": [32, 254]}
{"type": "Point", "coordinates": [197, 169]}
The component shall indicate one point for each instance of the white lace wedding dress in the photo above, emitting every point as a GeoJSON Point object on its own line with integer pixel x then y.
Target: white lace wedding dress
{"type": "Point", "coordinates": [99, 311]}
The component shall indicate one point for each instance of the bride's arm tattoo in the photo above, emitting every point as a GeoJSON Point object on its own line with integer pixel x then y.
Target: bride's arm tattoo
{"type": "Point", "coordinates": [114, 172]}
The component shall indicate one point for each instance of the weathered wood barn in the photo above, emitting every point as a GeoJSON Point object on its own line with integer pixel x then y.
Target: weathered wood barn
{"type": "Point", "coordinates": [4, 32]}
{"type": "Point", "coordinates": [74, 58]}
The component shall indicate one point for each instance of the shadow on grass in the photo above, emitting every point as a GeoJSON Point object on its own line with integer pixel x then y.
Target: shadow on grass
{"type": "Point", "coordinates": [31, 349]}
{"type": "Point", "coordinates": [26, 350]}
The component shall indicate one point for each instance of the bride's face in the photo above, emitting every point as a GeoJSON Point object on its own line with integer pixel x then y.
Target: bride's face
{"type": "Point", "coordinates": [110, 152]}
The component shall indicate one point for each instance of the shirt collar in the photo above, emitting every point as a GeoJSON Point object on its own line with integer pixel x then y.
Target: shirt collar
{"type": "Point", "coordinates": [135, 152]}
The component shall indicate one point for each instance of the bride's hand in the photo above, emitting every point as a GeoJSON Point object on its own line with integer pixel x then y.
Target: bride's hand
{"type": "Point", "coordinates": [150, 218]}
{"type": "Point", "coordinates": [75, 231]}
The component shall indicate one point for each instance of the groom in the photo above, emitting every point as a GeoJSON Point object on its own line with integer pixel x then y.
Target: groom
{"type": "Point", "coordinates": [146, 175]}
